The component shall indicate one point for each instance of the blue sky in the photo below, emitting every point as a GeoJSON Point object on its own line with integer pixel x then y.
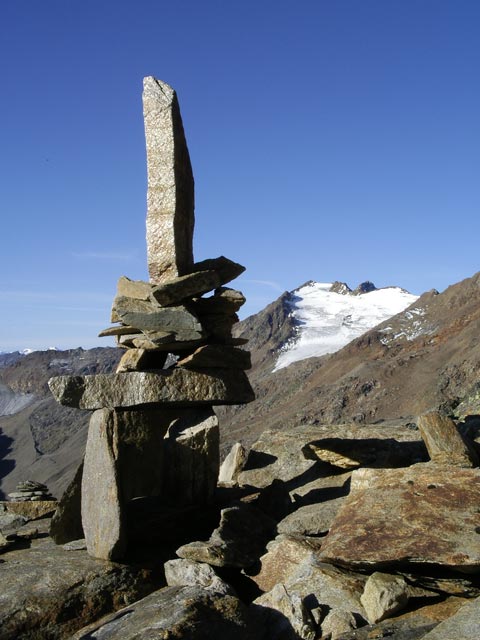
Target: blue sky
{"type": "Point", "coordinates": [330, 140]}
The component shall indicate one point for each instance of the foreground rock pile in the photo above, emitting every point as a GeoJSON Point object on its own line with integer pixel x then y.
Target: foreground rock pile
{"type": "Point", "coordinates": [378, 542]}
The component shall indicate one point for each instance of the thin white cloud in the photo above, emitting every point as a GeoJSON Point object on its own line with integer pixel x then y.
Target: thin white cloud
{"type": "Point", "coordinates": [268, 283]}
{"type": "Point", "coordinates": [103, 255]}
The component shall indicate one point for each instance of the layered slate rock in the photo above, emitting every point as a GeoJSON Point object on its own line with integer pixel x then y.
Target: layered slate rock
{"type": "Point", "coordinates": [461, 626]}
{"type": "Point", "coordinates": [48, 592]}
{"type": "Point", "coordinates": [179, 387]}
{"type": "Point", "coordinates": [239, 540]}
{"type": "Point", "coordinates": [123, 460]}
{"type": "Point", "coordinates": [444, 442]}
{"type": "Point", "coordinates": [170, 196]}
{"type": "Point", "coordinates": [422, 515]}
{"type": "Point", "coordinates": [182, 613]}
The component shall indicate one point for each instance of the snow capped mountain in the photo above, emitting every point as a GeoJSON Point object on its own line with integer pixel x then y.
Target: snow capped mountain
{"type": "Point", "coordinates": [328, 316]}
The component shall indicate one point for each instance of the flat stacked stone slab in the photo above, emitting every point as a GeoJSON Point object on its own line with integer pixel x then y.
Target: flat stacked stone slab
{"type": "Point", "coordinates": [178, 387]}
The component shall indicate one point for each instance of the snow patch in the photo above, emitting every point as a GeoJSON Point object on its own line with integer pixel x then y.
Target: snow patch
{"type": "Point", "coordinates": [327, 321]}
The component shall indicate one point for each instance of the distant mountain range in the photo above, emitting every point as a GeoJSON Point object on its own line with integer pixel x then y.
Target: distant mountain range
{"type": "Point", "coordinates": [413, 354]}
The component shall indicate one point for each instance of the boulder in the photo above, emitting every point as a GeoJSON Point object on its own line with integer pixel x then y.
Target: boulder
{"type": "Point", "coordinates": [444, 442]}
{"type": "Point", "coordinates": [290, 455]}
{"type": "Point", "coordinates": [170, 195]}
{"type": "Point", "coordinates": [285, 615]}
{"type": "Point", "coordinates": [311, 519]}
{"type": "Point", "coordinates": [183, 613]}
{"type": "Point", "coordinates": [239, 540]}
{"type": "Point", "coordinates": [123, 460]}
{"type": "Point", "coordinates": [463, 625]}
{"type": "Point", "coordinates": [383, 596]}
{"type": "Point", "coordinates": [284, 555]}
{"type": "Point", "coordinates": [31, 509]}
{"type": "Point", "coordinates": [232, 465]}
{"type": "Point", "coordinates": [192, 457]}
{"type": "Point", "coordinates": [420, 515]}
{"type": "Point", "coordinates": [180, 572]}
{"type": "Point", "coordinates": [66, 524]}
{"type": "Point", "coordinates": [48, 592]}
{"type": "Point", "coordinates": [178, 387]}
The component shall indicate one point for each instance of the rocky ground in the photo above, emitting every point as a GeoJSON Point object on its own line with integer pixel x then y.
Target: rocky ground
{"type": "Point", "coordinates": [332, 532]}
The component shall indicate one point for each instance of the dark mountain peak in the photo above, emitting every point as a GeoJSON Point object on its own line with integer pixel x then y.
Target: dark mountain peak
{"type": "Point", "coordinates": [340, 287]}
{"type": "Point", "coordinates": [364, 287]}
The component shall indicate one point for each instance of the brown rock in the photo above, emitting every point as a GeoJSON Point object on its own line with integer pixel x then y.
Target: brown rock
{"type": "Point", "coordinates": [123, 459]}
{"type": "Point", "coordinates": [193, 457]}
{"type": "Point", "coordinates": [121, 330]}
{"type": "Point", "coordinates": [284, 556]}
{"type": "Point", "coordinates": [217, 356]}
{"type": "Point", "coordinates": [178, 387]}
{"type": "Point", "coordinates": [170, 197]}
{"type": "Point", "coordinates": [225, 268]}
{"type": "Point", "coordinates": [66, 524]}
{"type": "Point", "coordinates": [31, 509]}
{"type": "Point", "coordinates": [183, 287]}
{"type": "Point", "coordinates": [423, 514]}
{"type": "Point", "coordinates": [224, 301]}
{"type": "Point", "coordinates": [140, 359]}
{"type": "Point", "coordinates": [444, 442]}
{"type": "Point", "coordinates": [138, 289]}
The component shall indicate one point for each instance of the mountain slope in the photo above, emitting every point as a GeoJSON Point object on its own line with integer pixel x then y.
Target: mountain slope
{"type": "Point", "coordinates": [426, 356]}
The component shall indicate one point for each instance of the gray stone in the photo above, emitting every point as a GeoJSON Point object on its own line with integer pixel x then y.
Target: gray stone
{"type": "Point", "coordinates": [225, 301]}
{"type": "Point", "coordinates": [463, 625]}
{"type": "Point", "coordinates": [183, 287]}
{"type": "Point", "coordinates": [48, 592]}
{"type": "Point", "coordinates": [123, 460]}
{"type": "Point", "coordinates": [31, 509]}
{"type": "Point", "coordinates": [75, 545]}
{"type": "Point", "coordinates": [284, 555]}
{"type": "Point", "coordinates": [293, 619]}
{"type": "Point", "coordinates": [180, 572]}
{"type": "Point", "coordinates": [281, 454]}
{"type": "Point", "coordinates": [217, 356]}
{"type": "Point", "coordinates": [384, 595]}
{"type": "Point", "coordinates": [170, 197]}
{"type": "Point", "coordinates": [444, 442]}
{"type": "Point", "coordinates": [423, 514]}
{"type": "Point", "coordinates": [311, 519]}
{"type": "Point", "coordinates": [233, 464]}
{"type": "Point", "coordinates": [140, 359]}
{"type": "Point", "coordinates": [150, 316]}
{"type": "Point", "coordinates": [183, 613]}
{"type": "Point", "coordinates": [66, 524]}
{"type": "Point", "coordinates": [138, 289]}
{"type": "Point", "coordinates": [192, 452]}
{"type": "Point", "coordinates": [10, 523]}
{"type": "Point", "coordinates": [226, 269]}
{"type": "Point", "coordinates": [120, 330]}
{"type": "Point", "coordinates": [4, 543]}
{"type": "Point", "coordinates": [239, 540]}
{"type": "Point", "coordinates": [337, 622]}
{"type": "Point", "coordinates": [179, 387]}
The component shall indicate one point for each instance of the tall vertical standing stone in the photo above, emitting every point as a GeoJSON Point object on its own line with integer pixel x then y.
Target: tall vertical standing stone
{"type": "Point", "coordinates": [170, 197]}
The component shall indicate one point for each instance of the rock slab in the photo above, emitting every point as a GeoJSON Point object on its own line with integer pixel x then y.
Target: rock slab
{"type": "Point", "coordinates": [423, 514]}
{"type": "Point", "coordinates": [170, 195]}
{"type": "Point", "coordinates": [178, 387]}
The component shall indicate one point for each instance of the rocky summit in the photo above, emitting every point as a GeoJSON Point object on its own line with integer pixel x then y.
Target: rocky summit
{"type": "Point", "coordinates": [346, 505]}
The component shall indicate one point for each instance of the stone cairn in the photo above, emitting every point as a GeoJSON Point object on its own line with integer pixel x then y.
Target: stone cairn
{"type": "Point", "coordinates": [30, 491]}
{"type": "Point", "coordinates": [153, 431]}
